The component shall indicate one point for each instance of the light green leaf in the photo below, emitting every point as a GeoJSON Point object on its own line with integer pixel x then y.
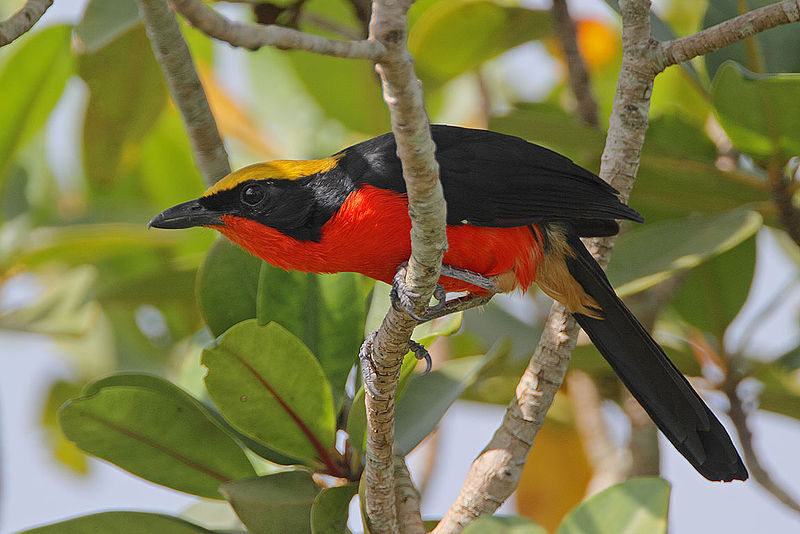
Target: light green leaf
{"type": "Point", "coordinates": [427, 398]}
{"type": "Point", "coordinates": [126, 95]}
{"type": "Point", "coordinates": [758, 112]}
{"type": "Point", "coordinates": [156, 431]}
{"type": "Point", "coordinates": [781, 390]}
{"type": "Point", "coordinates": [453, 36]}
{"type": "Point", "coordinates": [269, 385]}
{"type": "Point", "coordinates": [713, 293]}
{"type": "Point", "coordinates": [638, 506]}
{"type": "Point", "coordinates": [227, 286]}
{"type": "Point", "coordinates": [330, 510]}
{"type": "Point", "coordinates": [123, 523]}
{"type": "Point", "coordinates": [64, 307]}
{"type": "Point", "coordinates": [274, 503]}
{"type": "Point", "coordinates": [653, 253]}
{"type": "Point", "coordinates": [82, 243]}
{"type": "Point", "coordinates": [326, 312]}
{"type": "Point", "coordinates": [32, 81]}
{"type": "Point", "coordinates": [504, 525]}
{"type": "Point", "coordinates": [104, 21]}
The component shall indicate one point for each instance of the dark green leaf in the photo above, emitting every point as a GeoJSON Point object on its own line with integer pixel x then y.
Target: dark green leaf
{"type": "Point", "coordinates": [123, 523]}
{"type": "Point", "coordinates": [156, 431]}
{"type": "Point", "coordinates": [503, 525]}
{"type": "Point", "coordinates": [327, 312]}
{"type": "Point", "coordinates": [427, 398]}
{"type": "Point", "coordinates": [269, 385]}
{"type": "Point", "coordinates": [638, 506]}
{"type": "Point", "coordinates": [275, 503]}
{"type": "Point", "coordinates": [126, 95]}
{"type": "Point", "coordinates": [32, 81]}
{"type": "Point", "coordinates": [713, 293]}
{"type": "Point", "coordinates": [227, 286]}
{"type": "Point", "coordinates": [330, 510]}
{"type": "Point", "coordinates": [758, 112]}
{"type": "Point", "coordinates": [104, 21]}
{"type": "Point", "coordinates": [774, 50]}
{"type": "Point", "coordinates": [653, 253]}
{"type": "Point", "coordinates": [453, 36]}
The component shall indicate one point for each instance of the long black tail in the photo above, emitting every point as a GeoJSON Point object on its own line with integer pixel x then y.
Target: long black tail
{"type": "Point", "coordinates": [652, 378]}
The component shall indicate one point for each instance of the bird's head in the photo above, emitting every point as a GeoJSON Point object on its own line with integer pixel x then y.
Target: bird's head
{"type": "Point", "coordinates": [280, 195]}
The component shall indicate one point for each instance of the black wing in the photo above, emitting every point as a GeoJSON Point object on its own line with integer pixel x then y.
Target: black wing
{"type": "Point", "coordinates": [493, 179]}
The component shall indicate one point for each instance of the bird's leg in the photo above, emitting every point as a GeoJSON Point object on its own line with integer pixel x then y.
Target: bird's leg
{"type": "Point", "coordinates": [369, 372]}
{"type": "Point", "coordinates": [403, 298]}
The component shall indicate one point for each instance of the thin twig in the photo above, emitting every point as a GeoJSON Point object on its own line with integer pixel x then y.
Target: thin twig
{"type": "Point", "coordinates": [402, 92]}
{"type": "Point", "coordinates": [788, 214]}
{"type": "Point", "coordinates": [739, 420]}
{"type": "Point", "coordinates": [728, 32]}
{"type": "Point", "coordinates": [254, 36]}
{"type": "Point", "coordinates": [578, 75]}
{"type": "Point", "coordinates": [187, 92]}
{"type": "Point", "coordinates": [23, 20]}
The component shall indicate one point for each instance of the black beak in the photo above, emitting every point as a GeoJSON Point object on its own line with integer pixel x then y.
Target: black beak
{"type": "Point", "coordinates": [186, 215]}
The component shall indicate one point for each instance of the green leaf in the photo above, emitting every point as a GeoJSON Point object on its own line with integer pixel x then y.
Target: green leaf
{"type": "Point", "coordinates": [227, 286]}
{"type": "Point", "coordinates": [653, 253]}
{"type": "Point", "coordinates": [126, 95]}
{"type": "Point", "coordinates": [327, 313]}
{"type": "Point", "coordinates": [269, 385]}
{"type": "Point", "coordinates": [713, 293]}
{"type": "Point", "coordinates": [774, 50]}
{"type": "Point", "coordinates": [638, 506]}
{"type": "Point", "coordinates": [122, 522]}
{"type": "Point", "coordinates": [455, 36]}
{"type": "Point", "coordinates": [274, 503]}
{"type": "Point", "coordinates": [156, 431]}
{"type": "Point", "coordinates": [330, 509]}
{"type": "Point", "coordinates": [167, 167]}
{"type": "Point", "coordinates": [427, 398]}
{"type": "Point", "coordinates": [104, 21]}
{"type": "Point", "coordinates": [81, 243]}
{"type": "Point", "coordinates": [758, 112]}
{"type": "Point", "coordinates": [781, 391]}
{"type": "Point", "coordinates": [504, 525]}
{"type": "Point", "coordinates": [32, 80]}
{"type": "Point", "coordinates": [63, 450]}
{"type": "Point", "coordinates": [64, 307]}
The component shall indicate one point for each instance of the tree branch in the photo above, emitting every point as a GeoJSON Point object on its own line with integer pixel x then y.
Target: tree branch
{"type": "Point", "coordinates": [578, 75]}
{"type": "Point", "coordinates": [254, 36]}
{"type": "Point", "coordinates": [739, 419]}
{"type": "Point", "coordinates": [407, 500]}
{"type": "Point", "coordinates": [728, 32]}
{"type": "Point", "coordinates": [496, 471]}
{"type": "Point", "coordinates": [23, 20]}
{"type": "Point", "coordinates": [187, 92]}
{"type": "Point", "coordinates": [402, 92]}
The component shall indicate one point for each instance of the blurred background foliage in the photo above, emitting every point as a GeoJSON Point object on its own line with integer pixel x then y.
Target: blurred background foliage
{"type": "Point", "coordinates": [91, 148]}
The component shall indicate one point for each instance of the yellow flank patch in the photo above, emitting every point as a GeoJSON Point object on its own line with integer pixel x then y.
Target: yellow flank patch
{"type": "Point", "coordinates": [282, 169]}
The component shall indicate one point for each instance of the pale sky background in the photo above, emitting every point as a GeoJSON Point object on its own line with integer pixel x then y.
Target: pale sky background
{"type": "Point", "coordinates": [35, 489]}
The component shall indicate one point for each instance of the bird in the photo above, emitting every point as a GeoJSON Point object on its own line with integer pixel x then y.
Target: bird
{"type": "Point", "coordinates": [515, 214]}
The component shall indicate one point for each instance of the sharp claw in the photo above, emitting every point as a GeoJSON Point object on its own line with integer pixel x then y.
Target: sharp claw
{"type": "Point", "coordinates": [368, 372]}
{"type": "Point", "coordinates": [403, 299]}
{"type": "Point", "coordinates": [421, 353]}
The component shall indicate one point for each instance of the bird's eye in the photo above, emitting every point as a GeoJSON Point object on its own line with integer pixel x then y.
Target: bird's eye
{"type": "Point", "coordinates": [253, 194]}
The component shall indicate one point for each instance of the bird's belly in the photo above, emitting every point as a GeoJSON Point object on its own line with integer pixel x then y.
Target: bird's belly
{"type": "Point", "coordinates": [370, 235]}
